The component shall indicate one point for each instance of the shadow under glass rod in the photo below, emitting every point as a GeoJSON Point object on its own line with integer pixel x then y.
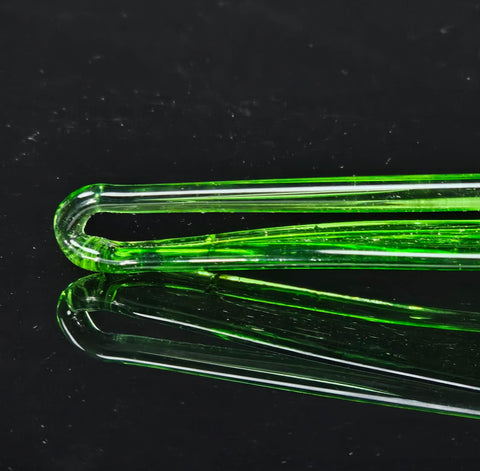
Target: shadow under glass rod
{"type": "Point", "coordinates": [281, 336]}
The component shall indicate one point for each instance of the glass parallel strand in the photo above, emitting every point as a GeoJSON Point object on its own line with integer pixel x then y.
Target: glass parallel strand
{"type": "Point", "coordinates": [414, 244]}
{"type": "Point", "coordinates": [281, 336]}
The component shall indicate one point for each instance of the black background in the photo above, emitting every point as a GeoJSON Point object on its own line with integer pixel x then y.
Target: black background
{"type": "Point", "coordinates": [148, 91]}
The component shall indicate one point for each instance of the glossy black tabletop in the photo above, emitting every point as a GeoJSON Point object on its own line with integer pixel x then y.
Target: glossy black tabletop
{"type": "Point", "coordinates": [184, 91]}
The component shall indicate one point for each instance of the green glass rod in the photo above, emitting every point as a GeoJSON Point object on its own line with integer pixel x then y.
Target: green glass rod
{"type": "Point", "coordinates": [393, 244]}
{"type": "Point", "coordinates": [280, 336]}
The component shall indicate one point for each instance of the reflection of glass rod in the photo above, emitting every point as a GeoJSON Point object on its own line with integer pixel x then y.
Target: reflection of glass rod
{"type": "Point", "coordinates": [281, 336]}
{"type": "Point", "coordinates": [402, 244]}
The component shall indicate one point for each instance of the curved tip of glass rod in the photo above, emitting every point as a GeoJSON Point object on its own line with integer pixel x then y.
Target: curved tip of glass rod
{"type": "Point", "coordinates": [300, 340]}
{"type": "Point", "coordinates": [397, 244]}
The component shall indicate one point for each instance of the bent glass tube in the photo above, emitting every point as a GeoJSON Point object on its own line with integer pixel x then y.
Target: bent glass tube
{"type": "Point", "coordinates": [392, 244]}
{"type": "Point", "coordinates": [281, 336]}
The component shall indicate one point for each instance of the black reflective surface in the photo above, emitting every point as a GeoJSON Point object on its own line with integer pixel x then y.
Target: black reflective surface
{"type": "Point", "coordinates": [139, 92]}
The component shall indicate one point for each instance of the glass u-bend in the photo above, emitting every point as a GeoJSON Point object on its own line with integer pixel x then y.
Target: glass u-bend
{"type": "Point", "coordinates": [445, 244]}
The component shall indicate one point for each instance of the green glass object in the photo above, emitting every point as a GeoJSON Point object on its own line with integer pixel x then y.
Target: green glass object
{"type": "Point", "coordinates": [281, 336]}
{"type": "Point", "coordinates": [392, 244]}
